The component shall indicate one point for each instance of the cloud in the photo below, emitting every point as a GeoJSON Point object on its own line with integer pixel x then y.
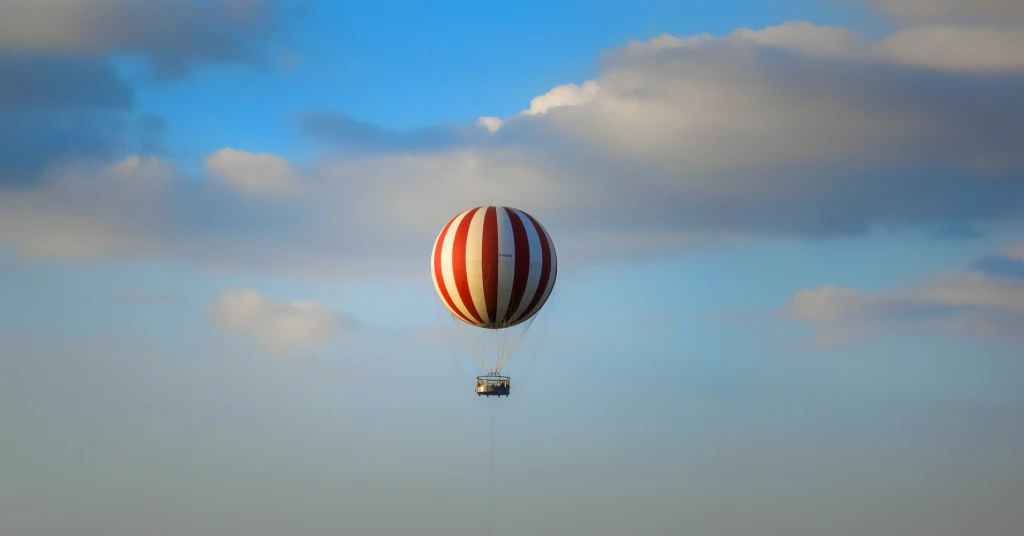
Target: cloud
{"type": "Point", "coordinates": [975, 302]}
{"type": "Point", "coordinates": [82, 212]}
{"type": "Point", "coordinates": [1008, 264]}
{"type": "Point", "coordinates": [32, 142]}
{"type": "Point", "coordinates": [277, 326]}
{"type": "Point", "coordinates": [490, 123]}
{"type": "Point", "coordinates": [940, 47]}
{"type": "Point", "coordinates": [54, 109]}
{"type": "Point", "coordinates": [144, 207]}
{"type": "Point", "coordinates": [800, 36]}
{"type": "Point", "coordinates": [172, 34]}
{"type": "Point", "coordinates": [56, 82]}
{"type": "Point", "coordinates": [944, 10]}
{"type": "Point", "coordinates": [342, 131]}
{"type": "Point", "coordinates": [958, 48]}
{"type": "Point", "coordinates": [261, 174]}
{"type": "Point", "coordinates": [61, 99]}
{"type": "Point", "coordinates": [566, 95]}
{"type": "Point", "coordinates": [680, 142]}
{"type": "Point", "coordinates": [787, 130]}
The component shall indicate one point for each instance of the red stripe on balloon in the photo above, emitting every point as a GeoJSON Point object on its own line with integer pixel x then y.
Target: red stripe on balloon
{"type": "Point", "coordinates": [439, 275]}
{"type": "Point", "coordinates": [489, 254]}
{"type": "Point", "coordinates": [459, 265]}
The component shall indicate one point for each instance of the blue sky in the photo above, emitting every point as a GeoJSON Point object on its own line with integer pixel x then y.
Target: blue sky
{"type": "Point", "coordinates": [791, 266]}
{"type": "Point", "coordinates": [478, 59]}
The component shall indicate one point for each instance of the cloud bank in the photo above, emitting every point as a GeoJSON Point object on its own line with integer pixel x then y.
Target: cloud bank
{"type": "Point", "coordinates": [172, 34]}
{"type": "Point", "coordinates": [796, 130]}
{"type": "Point", "coordinates": [990, 11]}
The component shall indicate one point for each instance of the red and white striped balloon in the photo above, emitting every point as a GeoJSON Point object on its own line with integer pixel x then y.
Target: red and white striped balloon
{"type": "Point", "coordinates": [493, 267]}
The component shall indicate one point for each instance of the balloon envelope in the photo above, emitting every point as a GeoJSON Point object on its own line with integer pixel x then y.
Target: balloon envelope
{"type": "Point", "coordinates": [493, 267]}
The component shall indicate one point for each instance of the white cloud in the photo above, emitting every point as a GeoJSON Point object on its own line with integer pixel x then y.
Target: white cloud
{"type": "Point", "coordinates": [564, 95]}
{"type": "Point", "coordinates": [259, 174]}
{"type": "Point", "coordinates": [490, 123]}
{"type": "Point", "coordinates": [279, 327]}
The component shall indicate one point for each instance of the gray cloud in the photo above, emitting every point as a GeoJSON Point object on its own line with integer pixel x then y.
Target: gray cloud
{"type": "Point", "coordinates": [56, 82]}
{"type": "Point", "coordinates": [53, 106]}
{"type": "Point", "coordinates": [977, 49]}
{"type": "Point", "coordinates": [31, 141]}
{"type": "Point", "coordinates": [1001, 266]}
{"type": "Point", "coordinates": [346, 133]}
{"type": "Point", "coordinates": [172, 34]}
{"type": "Point", "coordinates": [59, 108]}
{"type": "Point", "coordinates": [792, 130]}
{"type": "Point", "coordinates": [775, 132]}
{"type": "Point", "coordinates": [956, 10]}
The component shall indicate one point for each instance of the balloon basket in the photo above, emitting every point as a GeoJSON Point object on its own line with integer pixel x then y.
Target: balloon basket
{"type": "Point", "coordinates": [493, 385]}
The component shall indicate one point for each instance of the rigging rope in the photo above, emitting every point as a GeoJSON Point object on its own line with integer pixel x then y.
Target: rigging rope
{"type": "Point", "coordinates": [532, 362]}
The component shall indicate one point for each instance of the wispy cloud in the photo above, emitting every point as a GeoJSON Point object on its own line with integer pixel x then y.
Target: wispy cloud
{"type": "Point", "coordinates": [279, 327]}
{"type": "Point", "coordinates": [972, 303]}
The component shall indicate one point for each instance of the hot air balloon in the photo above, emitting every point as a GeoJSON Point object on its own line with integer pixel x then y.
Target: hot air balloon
{"type": "Point", "coordinates": [494, 268]}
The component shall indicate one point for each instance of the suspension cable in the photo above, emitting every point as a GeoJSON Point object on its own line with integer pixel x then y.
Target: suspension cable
{"type": "Point", "coordinates": [490, 501]}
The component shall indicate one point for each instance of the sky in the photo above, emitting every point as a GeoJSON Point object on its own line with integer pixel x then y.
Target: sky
{"type": "Point", "coordinates": [790, 296]}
